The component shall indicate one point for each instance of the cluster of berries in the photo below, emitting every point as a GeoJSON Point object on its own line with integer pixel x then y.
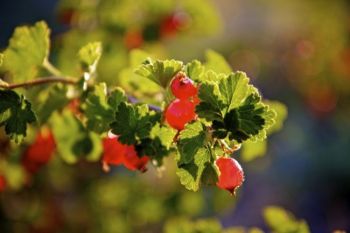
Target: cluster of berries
{"type": "Point", "coordinates": [182, 109]}
{"type": "Point", "coordinates": [177, 114]}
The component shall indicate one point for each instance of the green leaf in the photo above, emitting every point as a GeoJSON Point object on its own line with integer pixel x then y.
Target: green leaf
{"type": "Point", "coordinates": [89, 55]}
{"type": "Point", "coordinates": [27, 51]}
{"type": "Point", "coordinates": [160, 72]}
{"type": "Point", "coordinates": [1, 59]}
{"type": "Point", "coordinates": [164, 133]}
{"type": "Point", "coordinates": [216, 62]}
{"type": "Point", "coordinates": [252, 150]}
{"type": "Point", "coordinates": [55, 100]}
{"type": "Point", "coordinates": [211, 105]}
{"type": "Point", "coordinates": [15, 114]}
{"type": "Point", "coordinates": [281, 115]}
{"type": "Point", "coordinates": [210, 175]}
{"type": "Point", "coordinates": [136, 83]}
{"type": "Point", "coordinates": [234, 89]}
{"type": "Point", "coordinates": [100, 109]}
{"type": "Point", "coordinates": [73, 140]}
{"type": "Point", "coordinates": [191, 139]}
{"type": "Point", "coordinates": [133, 122]}
{"type": "Point", "coordinates": [194, 70]}
{"type": "Point", "coordinates": [281, 221]}
{"type": "Point", "coordinates": [191, 174]}
{"type": "Point", "coordinates": [248, 120]}
{"type": "Point", "coordinates": [158, 145]}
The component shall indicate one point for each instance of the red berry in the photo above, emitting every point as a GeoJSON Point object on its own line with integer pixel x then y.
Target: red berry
{"type": "Point", "coordinates": [171, 24]}
{"type": "Point", "coordinates": [179, 112]}
{"type": "Point", "coordinates": [40, 152]}
{"type": "Point", "coordinates": [195, 100]}
{"type": "Point", "coordinates": [231, 174]}
{"type": "Point", "coordinates": [2, 183]}
{"type": "Point", "coordinates": [183, 87]}
{"type": "Point", "coordinates": [133, 39]}
{"type": "Point", "coordinates": [133, 162]}
{"type": "Point", "coordinates": [113, 151]}
{"type": "Point", "coordinates": [116, 153]}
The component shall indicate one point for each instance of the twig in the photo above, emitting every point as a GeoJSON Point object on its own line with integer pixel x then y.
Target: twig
{"type": "Point", "coordinates": [39, 81]}
{"type": "Point", "coordinates": [227, 149]}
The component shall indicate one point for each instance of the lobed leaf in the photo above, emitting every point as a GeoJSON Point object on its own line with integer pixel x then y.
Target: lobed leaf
{"type": "Point", "coordinates": [211, 105]}
{"type": "Point", "coordinates": [194, 70]}
{"type": "Point", "coordinates": [133, 122]}
{"type": "Point", "coordinates": [15, 114]}
{"type": "Point", "coordinates": [100, 109]}
{"type": "Point", "coordinates": [55, 100]}
{"type": "Point", "coordinates": [191, 139]}
{"type": "Point", "coordinates": [89, 55]}
{"type": "Point", "coordinates": [190, 174]}
{"type": "Point", "coordinates": [73, 140]}
{"type": "Point", "coordinates": [160, 72]}
{"type": "Point", "coordinates": [27, 51]}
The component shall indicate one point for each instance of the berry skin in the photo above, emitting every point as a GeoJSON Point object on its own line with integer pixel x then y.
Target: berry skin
{"type": "Point", "coordinates": [2, 183]}
{"type": "Point", "coordinates": [40, 152]}
{"type": "Point", "coordinates": [113, 151]}
{"type": "Point", "coordinates": [133, 162]}
{"type": "Point", "coordinates": [183, 87]}
{"type": "Point", "coordinates": [116, 153]}
{"type": "Point", "coordinates": [231, 174]}
{"type": "Point", "coordinates": [133, 39]}
{"type": "Point", "coordinates": [179, 112]}
{"type": "Point", "coordinates": [173, 23]}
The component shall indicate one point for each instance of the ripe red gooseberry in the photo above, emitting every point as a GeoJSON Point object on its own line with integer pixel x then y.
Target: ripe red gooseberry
{"type": "Point", "coordinates": [231, 175]}
{"type": "Point", "coordinates": [183, 87]}
{"type": "Point", "coordinates": [179, 112]}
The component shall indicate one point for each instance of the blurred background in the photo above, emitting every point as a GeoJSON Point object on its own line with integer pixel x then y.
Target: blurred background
{"type": "Point", "coordinates": [296, 52]}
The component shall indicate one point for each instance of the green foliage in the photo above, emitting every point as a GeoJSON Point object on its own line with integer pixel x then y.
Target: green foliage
{"type": "Point", "coordinates": [231, 110]}
{"type": "Point", "coordinates": [133, 122]}
{"type": "Point", "coordinates": [253, 149]}
{"type": "Point", "coordinates": [282, 113]}
{"type": "Point", "coordinates": [194, 70]}
{"type": "Point", "coordinates": [1, 59]}
{"type": "Point", "coordinates": [192, 138]}
{"type": "Point", "coordinates": [190, 174]}
{"type": "Point", "coordinates": [100, 109]}
{"type": "Point", "coordinates": [73, 140]}
{"type": "Point", "coordinates": [216, 62]}
{"type": "Point", "coordinates": [55, 100]}
{"type": "Point", "coordinates": [137, 84]}
{"type": "Point", "coordinates": [15, 114]}
{"type": "Point", "coordinates": [160, 72]}
{"type": "Point", "coordinates": [186, 226]}
{"type": "Point", "coordinates": [235, 108]}
{"type": "Point", "coordinates": [281, 221]}
{"type": "Point", "coordinates": [278, 219]}
{"type": "Point", "coordinates": [89, 56]}
{"type": "Point", "coordinates": [27, 51]}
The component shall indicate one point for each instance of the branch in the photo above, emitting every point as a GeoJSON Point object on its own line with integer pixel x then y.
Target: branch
{"type": "Point", "coordinates": [39, 81]}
